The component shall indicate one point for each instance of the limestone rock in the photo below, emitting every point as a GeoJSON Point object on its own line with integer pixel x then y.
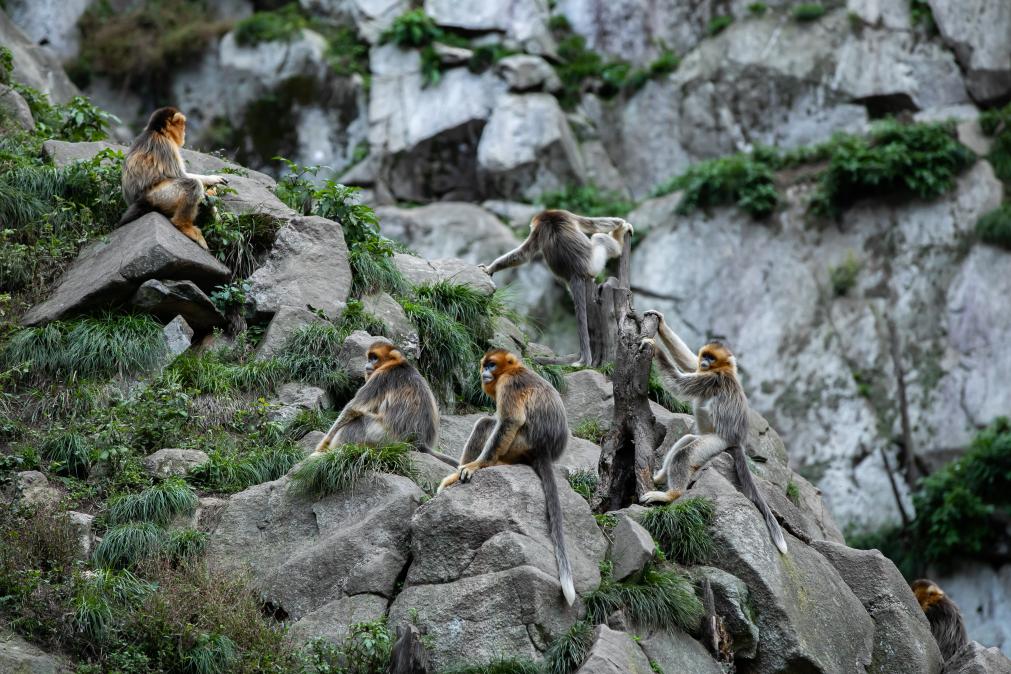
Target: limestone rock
{"type": "Point", "coordinates": [285, 322]}
{"type": "Point", "coordinates": [371, 17]}
{"type": "Point", "coordinates": [34, 65]}
{"type": "Point", "coordinates": [108, 271]}
{"type": "Point", "coordinates": [614, 653]}
{"type": "Point", "coordinates": [294, 398]}
{"type": "Point", "coordinates": [302, 554]}
{"type": "Point", "coordinates": [400, 328]}
{"type": "Point", "coordinates": [431, 471]}
{"type": "Point", "coordinates": [488, 539]}
{"type": "Point", "coordinates": [979, 32]}
{"type": "Point", "coordinates": [353, 353]}
{"type": "Point", "coordinates": [178, 337]}
{"type": "Point", "coordinates": [524, 21]}
{"type": "Point", "coordinates": [82, 526]}
{"type": "Point", "coordinates": [35, 489]}
{"type": "Point", "coordinates": [454, 429]}
{"type": "Point", "coordinates": [331, 620]}
{"type": "Point", "coordinates": [17, 656]}
{"type": "Point", "coordinates": [902, 638]}
{"type": "Point", "coordinates": [733, 603]}
{"type": "Point", "coordinates": [974, 658]}
{"type": "Point", "coordinates": [50, 22]}
{"type": "Point", "coordinates": [675, 651]}
{"type": "Point", "coordinates": [588, 396]}
{"type": "Point", "coordinates": [307, 268]}
{"type": "Point", "coordinates": [631, 548]}
{"type": "Point", "coordinates": [14, 106]}
{"type": "Point", "coordinates": [166, 299]}
{"type": "Point", "coordinates": [169, 462]}
{"type": "Point", "coordinates": [523, 72]}
{"type": "Point", "coordinates": [419, 271]}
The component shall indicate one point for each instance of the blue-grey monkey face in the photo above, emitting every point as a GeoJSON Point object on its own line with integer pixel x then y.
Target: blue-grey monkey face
{"type": "Point", "coordinates": [371, 365]}
{"type": "Point", "coordinates": [486, 372]}
{"type": "Point", "coordinates": [706, 360]}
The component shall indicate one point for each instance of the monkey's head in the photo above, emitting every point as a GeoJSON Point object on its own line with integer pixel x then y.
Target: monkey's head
{"type": "Point", "coordinates": [927, 592]}
{"type": "Point", "coordinates": [496, 363]}
{"type": "Point", "coordinates": [169, 122]}
{"type": "Point", "coordinates": [382, 355]}
{"type": "Point", "coordinates": [716, 357]}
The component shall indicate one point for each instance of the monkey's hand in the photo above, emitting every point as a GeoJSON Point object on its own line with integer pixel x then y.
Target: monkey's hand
{"type": "Point", "coordinates": [448, 480]}
{"type": "Point", "coordinates": [485, 269]}
{"type": "Point", "coordinates": [627, 227]}
{"type": "Point", "coordinates": [210, 181]}
{"type": "Point", "coordinates": [654, 312]}
{"type": "Point", "coordinates": [660, 496]}
{"type": "Point", "coordinates": [647, 342]}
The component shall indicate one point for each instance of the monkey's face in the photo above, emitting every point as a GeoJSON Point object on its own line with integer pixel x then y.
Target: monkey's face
{"type": "Point", "coordinates": [715, 357]}
{"type": "Point", "coordinates": [381, 354]}
{"type": "Point", "coordinates": [494, 364]}
{"type": "Point", "coordinates": [927, 593]}
{"type": "Point", "coordinates": [176, 128]}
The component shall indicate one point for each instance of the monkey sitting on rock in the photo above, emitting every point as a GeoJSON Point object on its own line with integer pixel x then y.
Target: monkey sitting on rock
{"type": "Point", "coordinates": [155, 178]}
{"type": "Point", "coordinates": [942, 613]}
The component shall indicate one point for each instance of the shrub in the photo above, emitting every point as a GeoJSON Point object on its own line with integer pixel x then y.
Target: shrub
{"type": "Point", "coordinates": [718, 24]}
{"type": "Point", "coordinates": [844, 277]}
{"type": "Point", "coordinates": [739, 179]}
{"type": "Point", "coordinates": [587, 200]}
{"type": "Point", "coordinates": [808, 11]}
{"type": "Point", "coordinates": [281, 25]}
{"type": "Point", "coordinates": [996, 123]}
{"type": "Point", "coordinates": [583, 482]}
{"type": "Point", "coordinates": [158, 504]}
{"type": "Point", "coordinates": [239, 241]}
{"type": "Point", "coordinates": [662, 600]}
{"type": "Point", "coordinates": [758, 8]}
{"type": "Point", "coordinates": [343, 467]}
{"type": "Point", "coordinates": [413, 28]}
{"type": "Point", "coordinates": [995, 227]}
{"type": "Point", "coordinates": [569, 651]}
{"type": "Point", "coordinates": [681, 529]}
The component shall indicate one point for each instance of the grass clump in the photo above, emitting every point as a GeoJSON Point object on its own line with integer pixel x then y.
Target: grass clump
{"type": "Point", "coordinates": [158, 504]}
{"type": "Point", "coordinates": [345, 466]}
{"type": "Point", "coordinates": [740, 179]}
{"type": "Point", "coordinates": [129, 544]}
{"type": "Point", "coordinates": [793, 492]}
{"type": "Point", "coordinates": [590, 429]}
{"type": "Point", "coordinates": [995, 227]}
{"type": "Point", "coordinates": [69, 450]}
{"type": "Point", "coordinates": [681, 529]}
{"type": "Point", "coordinates": [230, 472]}
{"type": "Point", "coordinates": [587, 200]}
{"type": "Point", "coordinates": [500, 665]}
{"type": "Point", "coordinates": [583, 482]}
{"type": "Point", "coordinates": [280, 25]}
{"type": "Point", "coordinates": [718, 24]}
{"type": "Point", "coordinates": [996, 123]}
{"type": "Point", "coordinates": [758, 8]}
{"type": "Point", "coordinates": [808, 11]}
{"type": "Point", "coordinates": [843, 277]}
{"type": "Point", "coordinates": [663, 599]}
{"type": "Point", "coordinates": [569, 651]}
{"type": "Point", "coordinates": [241, 242]}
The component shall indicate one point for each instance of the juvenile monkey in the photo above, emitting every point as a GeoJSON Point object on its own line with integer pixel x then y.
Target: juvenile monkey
{"type": "Point", "coordinates": [942, 613]}
{"type": "Point", "coordinates": [721, 420]}
{"type": "Point", "coordinates": [155, 177]}
{"type": "Point", "coordinates": [572, 257]}
{"type": "Point", "coordinates": [529, 427]}
{"type": "Point", "coordinates": [394, 404]}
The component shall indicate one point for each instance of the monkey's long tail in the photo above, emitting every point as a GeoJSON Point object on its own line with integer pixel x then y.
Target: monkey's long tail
{"type": "Point", "coordinates": [750, 490]}
{"type": "Point", "coordinates": [546, 472]}
{"type": "Point", "coordinates": [439, 455]}
{"type": "Point", "coordinates": [136, 209]}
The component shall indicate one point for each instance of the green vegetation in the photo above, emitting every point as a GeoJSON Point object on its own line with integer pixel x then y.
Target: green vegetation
{"type": "Point", "coordinates": [129, 544]}
{"type": "Point", "coordinates": [996, 123]}
{"type": "Point", "coordinates": [158, 504]}
{"type": "Point", "coordinates": [995, 227]}
{"type": "Point", "coordinates": [590, 429]}
{"type": "Point", "coordinates": [808, 11]}
{"type": "Point", "coordinates": [718, 24]}
{"type": "Point", "coordinates": [280, 25]}
{"type": "Point", "coordinates": [501, 665]}
{"type": "Point", "coordinates": [587, 200]}
{"type": "Point", "coordinates": [793, 492]}
{"type": "Point", "coordinates": [659, 394]}
{"type": "Point", "coordinates": [232, 471]}
{"type": "Point", "coordinates": [920, 160]}
{"type": "Point", "coordinates": [681, 529]}
{"type": "Point", "coordinates": [758, 8]}
{"type": "Point", "coordinates": [843, 277]}
{"type": "Point", "coordinates": [583, 482]}
{"type": "Point", "coordinates": [922, 15]}
{"type": "Point", "coordinates": [69, 452]}
{"type": "Point", "coordinates": [343, 467]}
{"type": "Point", "coordinates": [239, 241]}
{"type": "Point", "coordinates": [569, 651]}
{"type": "Point", "coordinates": [959, 509]}
{"type": "Point", "coordinates": [661, 600]}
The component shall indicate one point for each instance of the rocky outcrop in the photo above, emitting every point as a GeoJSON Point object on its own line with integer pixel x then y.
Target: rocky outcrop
{"type": "Point", "coordinates": [15, 108]}
{"type": "Point", "coordinates": [168, 462]}
{"type": "Point", "coordinates": [974, 658]}
{"type": "Point", "coordinates": [17, 656]}
{"type": "Point", "coordinates": [979, 32]}
{"type": "Point", "coordinates": [522, 22]}
{"type": "Point", "coordinates": [36, 66]}
{"type": "Point", "coordinates": [483, 577]}
{"type": "Point", "coordinates": [167, 299]}
{"type": "Point", "coordinates": [614, 653]}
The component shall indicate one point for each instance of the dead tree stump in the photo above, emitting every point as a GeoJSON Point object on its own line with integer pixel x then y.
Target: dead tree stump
{"type": "Point", "coordinates": [409, 654]}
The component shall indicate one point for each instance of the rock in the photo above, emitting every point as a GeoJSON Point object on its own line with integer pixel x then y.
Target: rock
{"type": "Point", "coordinates": [307, 268]}
{"type": "Point", "coordinates": [525, 21]}
{"type": "Point", "coordinates": [881, 14]}
{"type": "Point", "coordinates": [482, 558]}
{"type": "Point", "coordinates": [632, 548]}
{"type": "Point", "coordinates": [353, 352]}
{"type": "Point", "coordinates": [399, 327]}
{"type": "Point", "coordinates": [371, 17]}
{"type": "Point", "coordinates": [675, 651]}
{"type": "Point", "coordinates": [285, 322]}
{"type": "Point", "coordinates": [825, 630]}
{"type": "Point", "coordinates": [614, 653]}
{"type": "Point", "coordinates": [528, 148]}
{"type": "Point", "coordinates": [332, 620]}
{"type": "Point", "coordinates": [208, 514]}
{"type": "Point", "coordinates": [14, 106]}
{"type": "Point", "coordinates": [302, 554]}
{"type": "Point", "coordinates": [454, 429]}
{"type": "Point", "coordinates": [17, 656]}
{"type": "Point", "coordinates": [523, 72]}
{"type": "Point", "coordinates": [588, 396]}
{"type": "Point", "coordinates": [81, 523]}
{"type": "Point", "coordinates": [50, 22]}
{"type": "Point", "coordinates": [902, 638]}
{"type": "Point", "coordinates": [431, 471]}
{"type": "Point", "coordinates": [109, 270]}
{"type": "Point", "coordinates": [310, 440]}
{"type": "Point", "coordinates": [34, 65]}
{"type": "Point", "coordinates": [169, 462]}
{"type": "Point", "coordinates": [579, 455]}
{"type": "Point", "coordinates": [178, 337]}
{"type": "Point", "coordinates": [418, 271]}
{"type": "Point", "coordinates": [516, 213]}
{"type": "Point", "coordinates": [979, 33]}
{"type": "Point", "coordinates": [733, 603]}
{"type": "Point", "coordinates": [983, 593]}
{"type": "Point", "coordinates": [294, 398]}
{"type": "Point", "coordinates": [166, 299]}
{"type": "Point", "coordinates": [974, 658]}
{"type": "Point", "coordinates": [452, 56]}
{"type": "Point", "coordinates": [35, 489]}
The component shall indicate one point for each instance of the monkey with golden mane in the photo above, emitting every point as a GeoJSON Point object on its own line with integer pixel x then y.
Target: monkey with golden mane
{"type": "Point", "coordinates": [942, 613]}
{"type": "Point", "coordinates": [529, 427]}
{"type": "Point", "coordinates": [576, 249]}
{"type": "Point", "coordinates": [155, 177]}
{"type": "Point", "coordinates": [721, 420]}
{"type": "Point", "coordinates": [395, 404]}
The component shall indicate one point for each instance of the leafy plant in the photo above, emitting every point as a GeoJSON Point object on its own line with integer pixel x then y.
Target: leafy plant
{"type": "Point", "coordinates": [793, 492]}
{"type": "Point", "coordinates": [739, 179]}
{"type": "Point", "coordinates": [681, 529]}
{"type": "Point", "coordinates": [996, 123]}
{"type": "Point", "coordinates": [808, 11]}
{"type": "Point", "coordinates": [844, 277]}
{"type": "Point", "coordinates": [662, 600]}
{"type": "Point", "coordinates": [280, 25]}
{"type": "Point", "coordinates": [343, 467]}
{"type": "Point", "coordinates": [758, 8]}
{"type": "Point", "coordinates": [413, 28]}
{"type": "Point", "coordinates": [239, 241]}
{"type": "Point", "coordinates": [232, 471]}
{"type": "Point", "coordinates": [995, 227]}
{"type": "Point", "coordinates": [718, 24]}
{"type": "Point", "coordinates": [583, 482]}
{"type": "Point", "coordinates": [587, 200]}
{"type": "Point", "coordinates": [569, 651]}
{"type": "Point", "coordinates": [158, 504]}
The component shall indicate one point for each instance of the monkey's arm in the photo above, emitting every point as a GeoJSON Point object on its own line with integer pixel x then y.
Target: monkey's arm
{"type": "Point", "coordinates": [513, 258]}
{"type": "Point", "coordinates": [365, 403]}
{"type": "Point", "coordinates": [497, 447]}
{"type": "Point", "coordinates": [208, 181]}
{"type": "Point", "coordinates": [602, 225]}
{"type": "Point", "coordinates": [683, 356]}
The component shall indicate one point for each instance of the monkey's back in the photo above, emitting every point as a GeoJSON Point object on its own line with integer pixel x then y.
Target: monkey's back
{"type": "Point", "coordinates": [728, 398]}
{"type": "Point", "coordinates": [151, 159]}
{"type": "Point", "coordinates": [565, 248]}
{"type": "Point", "coordinates": [410, 411]}
{"type": "Point", "coordinates": [546, 429]}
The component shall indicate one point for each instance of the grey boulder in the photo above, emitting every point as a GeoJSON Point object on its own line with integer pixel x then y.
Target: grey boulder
{"type": "Point", "coordinates": [674, 651]}
{"type": "Point", "coordinates": [632, 548]}
{"type": "Point", "coordinates": [168, 462]}
{"type": "Point", "coordinates": [614, 653]}
{"type": "Point", "coordinates": [974, 658]}
{"type": "Point", "coordinates": [17, 656]}
{"type": "Point", "coordinates": [167, 299]}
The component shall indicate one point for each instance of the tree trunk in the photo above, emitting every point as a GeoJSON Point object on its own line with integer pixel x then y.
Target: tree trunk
{"type": "Point", "coordinates": [409, 655]}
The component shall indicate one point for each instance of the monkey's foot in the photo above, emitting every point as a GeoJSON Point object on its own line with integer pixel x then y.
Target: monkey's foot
{"type": "Point", "coordinates": [452, 478]}
{"type": "Point", "coordinates": [659, 476]}
{"type": "Point", "coordinates": [660, 496]}
{"type": "Point", "coordinates": [467, 470]}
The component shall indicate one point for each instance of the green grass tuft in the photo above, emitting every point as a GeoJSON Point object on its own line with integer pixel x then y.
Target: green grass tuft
{"type": "Point", "coordinates": [758, 8]}
{"type": "Point", "coordinates": [718, 24]}
{"type": "Point", "coordinates": [739, 179]}
{"type": "Point", "coordinates": [681, 529]}
{"type": "Point", "coordinates": [793, 492]}
{"type": "Point", "coordinates": [70, 450]}
{"type": "Point", "coordinates": [280, 25]}
{"type": "Point", "coordinates": [569, 651]}
{"type": "Point", "coordinates": [590, 429]}
{"type": "Point", "coordinates": [234, 471]}
{"type": "Point", "coordinates": [185, 545]}
{"type": "Point", "coordinates": [995, 227]}
{"type": "Point", "coordinates": [100, 594]}
{"type": "Point", "coordinates": [808, 11]}
{"type": "Point", "coordinates": [343, 467]}
{"type": "Point", "coordinates": [584, 482]}
{"type": "Point", "coordinates": [211, 654]}
{"type": "Point", "coordinates": [500, 665]}
{"type": "Point", "coordinates": [158, 504]}
{"type": "Point", "coordinates": [843, 278]}
{"type": "Point", "coordinates": [662, 600]}
{"type": "Point", "coordinates": [129, 544]}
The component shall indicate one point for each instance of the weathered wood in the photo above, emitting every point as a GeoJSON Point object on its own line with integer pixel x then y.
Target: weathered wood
{"type": "Point", "coordinates": [409, 654]}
